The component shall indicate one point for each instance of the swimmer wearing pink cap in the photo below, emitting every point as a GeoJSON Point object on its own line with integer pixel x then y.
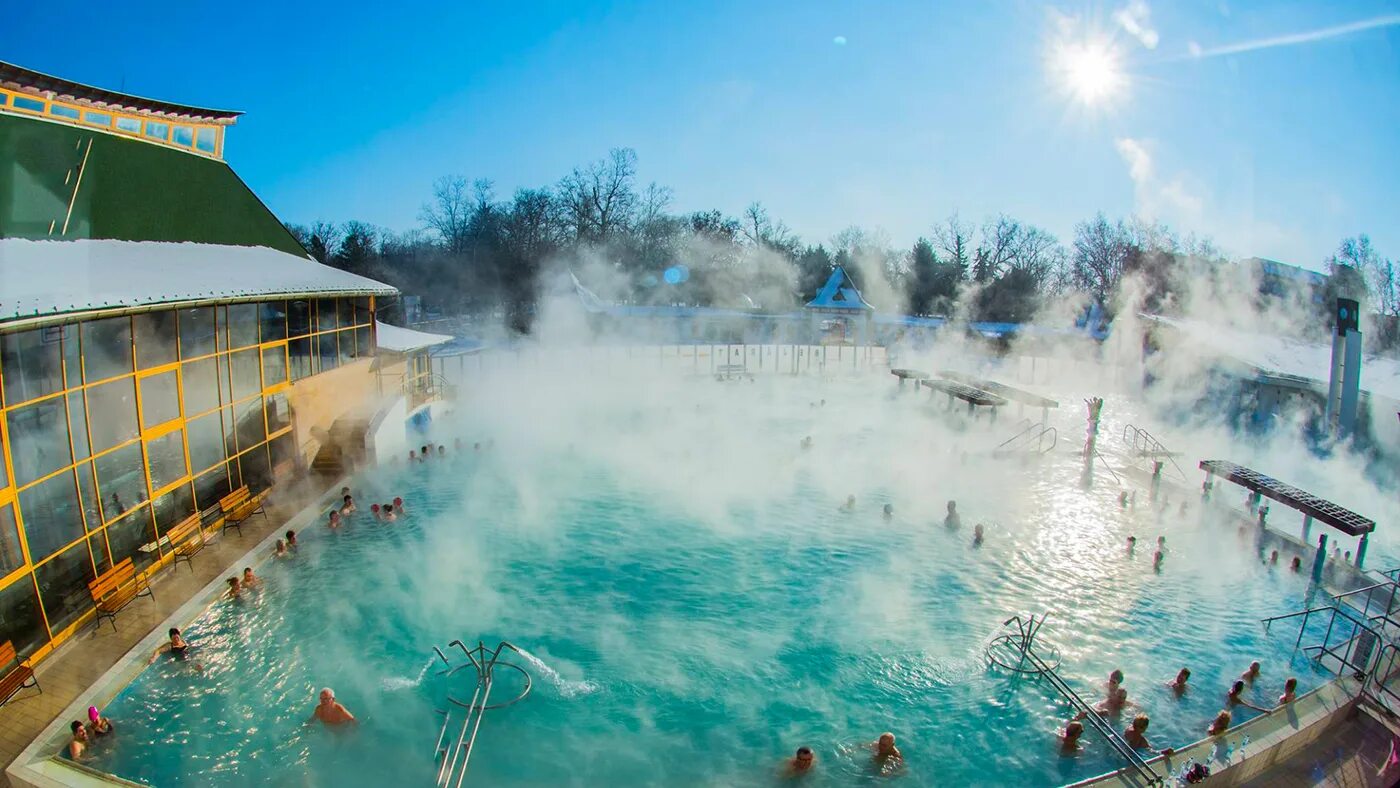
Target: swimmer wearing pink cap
{"type": "Point", "coordinates": [97, 724]}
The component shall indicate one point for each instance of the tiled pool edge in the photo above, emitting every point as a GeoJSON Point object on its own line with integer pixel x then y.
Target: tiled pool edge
{"type": "Point", "coordinates": [36, 766]}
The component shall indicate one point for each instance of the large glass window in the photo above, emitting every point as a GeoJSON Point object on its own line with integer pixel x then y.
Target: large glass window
{"type": "Point", "coordinates": [242, 325]}
{"type": "Point", "coordinates": [249, 416]}
{"type": "Point", "coordinates": [362, 311]}
{"type": "Point", "coordinates": [283, 450]}
{"type": "Point", "coordinates": [106, 348]}
{"type": "Point", "coordinates": [204, 139]}
{"type": "Point", "coordinates": [279, 417]}
{"type": "Point", "coordinates": [247, 381]}
{"type": "Point", "coordinates": [274, 366]}
{"type": "Point", "coordinates": [327, 319]}
{"type": "Point", "coordinates": [197, 331]}
{"type": "Point", "coordinates": [364, 342]}
{"type": "Point", "coordinates": [101, 556]}
{"type": "Point", "coordinates": [160, 399]}
{"type": "Point", "coordinates": [257, 473]}
{"type": "Point", "coordinates": [63, 586]}
{"type": "Point", "coordinates": [97, 118]}
{"type": "Point", "coordinates": [157, 130]}
{"type": "Point", "coordinates": [122, 480]}
{"type": "Point", "coordinates": [272, 315]}
{"type": "Point", "coordinates": [63, 111]}
{"type": "Point", "coordinates": [129, 125]}
{"type": "Point", "coordinates": [112, 413]}
{"type": "Point", "coordinates": [87, 496]}
{"type": "Point", "coordinates": [210, 487]}
{"type": "Point", "coordinates": [184, 136]}
{"type": "Point", "coordinates": [325, 352]}
{"type": "Point", "coordinates": [31, 362]}
{"type": "Point", "coordinates": [346, 310]}
{"type": "Point", "coordinates": [11, 556]}
{"type": "Point", "coordinates": [166, 455]}
{"type": "Point", "coordinates": [173, 507]}
{"type": "Point", "coordinates": [201, 383]}
{"type": "Point", "coordinates": [347, 346]}
{"type": "Point", "coordinates": [38, 439]}
{"type": "Point", "coordinates": [51, 515]}
{"type": "Point", "coordinates": [299, 358]}
{"type": "Point", "coordinates": [21, 623]}
{"type": "Point", "coordinates": [298, 318]}
{"type": "Point", "coordinates": [130, 534]}
{"type": "Point", "coordinates": [156, 336]}
{"type": "Point", "coordinates": [206, 438]}
{"type": "Point", "coordinates": [77, 422]}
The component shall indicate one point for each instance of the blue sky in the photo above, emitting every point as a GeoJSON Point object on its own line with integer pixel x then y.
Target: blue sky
{"type": "Point", "coordinates": [926, 108]}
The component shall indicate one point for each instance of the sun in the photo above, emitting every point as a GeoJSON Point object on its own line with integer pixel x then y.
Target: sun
{"type": "Point", "coordinates": [1090, 71]}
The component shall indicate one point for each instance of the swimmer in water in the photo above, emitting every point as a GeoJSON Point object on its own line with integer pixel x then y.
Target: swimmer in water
{"type": "Point", "coordinates": [1157, 560]}
{"type": "Point", "coordinates": [412, 456]}
{"type": "Point", "coordinates": [1235, 697]}
{"type": "Point", "coordinates": [1290, 692]}
{"type": "Point", "coordinates": [977, 535]}
{"type": "Point", "coordinates": [1136, 733]}
{"type": "Point", "coordinates": [280, 550]}
{"type": "Point", "coordinates": [374, 511]}
{"type": "Point", "coordinates": [886, 754]}
{"type": "Point", "coordinates": [398, 505]}
{"type": "Point", "coordinates": [347, 505]}
{"type": "Point", "coordinates": [1115, 679]}
{"type": "Point", "coordinates": [1178, 684]}
{"type": "Point", "coordinates": [1251, 673]}
{"type": "Point", "coordinates": [389, 515]}
{"type": "Point", "coordinates": [178, 647]}
{"type": "Point", "coordinates": [442, 450]}
{"type": "Point", "coordinates": [233, 588]}
{"type": "Point", "coordinates": [1297, 564]}
{"type": "Point", "coordinates": [952, 520]}
{"type": "Point", "coordinates": [1220, 724]}
{"type": "Point", "coordinates": [849, 505]}
{"type": "Point", "coordinates": [807, 443]}
{"type": "Point", "coordinates": [97, 724]}
{"type": "Point", "coordinates": [1273, 558]}
{"type": "Point", "coordinates": [427, 452]}
{"type": "Point", "coordinates": [334, 520]}
{"type": "Point", "coordinates": [77, 746]}
{"type": "Point", "coordinates": [330, 711]}
{"type": "Point", "coordinates": [801, 763]}
{"type": "Point", "coordinates": [889, 511]}
{"type": "Point", "coordinates": [1116, 702]}
{"type": "Point", "coordinates": [1069, 737]}
{"type": "Point", "coordinates": [291, 539]}
{"type": "Point", "coordinates": [249, 579]}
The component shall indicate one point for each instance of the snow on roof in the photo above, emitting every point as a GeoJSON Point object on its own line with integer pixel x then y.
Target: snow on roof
{"type": "Point", "coordinates": [42, 278]}
{"type": "Point", "coordinates": [397, 339]}
{"type": "Point", "coordinates": [1285, 355]}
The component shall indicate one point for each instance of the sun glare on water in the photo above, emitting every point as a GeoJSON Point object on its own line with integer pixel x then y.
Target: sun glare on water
{"type": "Point", "coordinates": [1091, 72]}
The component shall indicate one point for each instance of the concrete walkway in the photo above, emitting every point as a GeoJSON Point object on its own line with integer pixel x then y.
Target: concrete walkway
{"type": "Point", "coordinates": [65, 675]}
{"type": "Point", "coordinates": [1349, 756]}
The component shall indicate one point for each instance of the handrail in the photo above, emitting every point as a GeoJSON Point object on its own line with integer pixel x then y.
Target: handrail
{"type": "Point", "coordinates": [456, 757]}
{"type": "Point", "coordinates": [1150, 445]}
{"type": "Point", "coordinates": [1035, 432]}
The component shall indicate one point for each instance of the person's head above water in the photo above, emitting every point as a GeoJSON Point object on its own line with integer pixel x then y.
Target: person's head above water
{"type": "Point", "coordinates": [804, 757]}
{"type": "Point", "coordinates": [93, 714]}
{"type": "Point", "coordinates": [174, 632]}
{"type": "Point", "coordinates": [1236, 688]}
{"type": "Point", "coordinates": [388, 508]}
{"type": "Point", "coordinates": [291, 537]}
{"type": "Point", "coordinates": [398, 502]}
{"type": "Point", "coordinates": [347, 499]}
{"type": "Point", "coordinates": [328, 696]}
{"type": "Point", "coordinates": [1182, 675]}
{"type": "Point", "coordinates": [1115, 677]}
{"type": "Point", "coordinates": [952, 506]}
{"type": "Point", "coordinates": [1073, 730]}
{"type": "Point", "coordinates": [889, 508]}
{"type": "Point", "coordinates": [78, 729]}
{"type": "Point", "coordinates": [885, 742]}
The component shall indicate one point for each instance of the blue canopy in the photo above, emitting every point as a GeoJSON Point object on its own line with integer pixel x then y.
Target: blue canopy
{"type": "Point", "coordinates": [839, 292]}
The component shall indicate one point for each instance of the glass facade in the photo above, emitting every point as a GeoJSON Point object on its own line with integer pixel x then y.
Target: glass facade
{"type": "Point", "coordinates": [113, 430]}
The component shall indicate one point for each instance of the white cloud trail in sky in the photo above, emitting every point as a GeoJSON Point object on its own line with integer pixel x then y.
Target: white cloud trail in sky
{"type": "Point", "coordinates": [1294, 39]}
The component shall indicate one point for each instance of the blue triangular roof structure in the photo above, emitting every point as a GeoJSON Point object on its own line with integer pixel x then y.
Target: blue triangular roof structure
{"type": "Point", "coordinates": [839, 292]}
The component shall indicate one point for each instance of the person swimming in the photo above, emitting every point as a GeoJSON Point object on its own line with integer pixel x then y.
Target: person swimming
{"type": "Point", "coordinates": [333, 521]}
{"type": "Point", "coordinates": [398, 505]}
{"type": "Point", "coordinates": [77, 746]}
{"type": "Point", "coordinates": [800, 763]}
{"type": "Point", "coordinates": [1220, 724]}
{"type": "Point", "coordinates": [886, 753]}
{"type": "Point", "coordinates": [412, 455]}
{"type": "Point", "coordinates": [806, 443]}
{"type": "Point", "coordinates": [1136, 733]}
{"type": "Point", "coordinates": [1116, 701]}
{"type": "Point", "coordinates": [1235, 697]}
{"type": "Point", "coordinates": [374, 511]}
{"type": "Point", "coordinates": [280, 549]}
{"type": "Point", "coordinates": [442, 450]}
{"type": "Point", "coordinates": [389, 515]}
{"type": "Point", "coordinates": [249, 579]}
{"type": "Point", "coordinates": [330, 711]}
{"type": "Point", "coordinates": [97, 724]}
{"type": "Point", "coordinates": [1132, 544]}
{"type": "Point", "coordinates": [1297, 564]}
{"type": "Point", "coordinates": [977, 535]}
{"type": "Point", "coordinates": [849, 505]}
{"type": "Point", "coordinates": [347, 505]}
{"type": "Point", "coordinates": [1115, 679]}
{"type": "Point", "coordinates": [1251, 673]}
{"type": "Point", "coordinates": [889, 511]}
{"type": "Point", "coordinates": [1178, 684]}
{"type": "Point", "coordinates": [177, 647]}
{"type": "Point", "coordinates": [1070, 735]}
{"type": "Point", "coordinates": [1157, 560]}
{"type": "Point", "coordinates": [426, 452]}
{"type": "Point", "coordinates": [1290, 692]}
{"type": "Point", "coordinates": [952, 520]}
{"type": "Point", "coordinates": [291, 539]}
{"type": "Point", "coordinates": [234, 589]}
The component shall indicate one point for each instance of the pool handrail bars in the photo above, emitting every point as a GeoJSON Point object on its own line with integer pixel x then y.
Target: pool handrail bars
{"type": "Point", "coordinates": [1147, 445]}
{"type": "Point", "coordinates": [1095, 720]}
{"type": "Point", "coordinates": [1035, 432]}
{"type": "Point", "coordinates": [455, 757]}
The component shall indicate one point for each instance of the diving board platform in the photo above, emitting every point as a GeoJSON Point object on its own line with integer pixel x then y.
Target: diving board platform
{"type": "Point", "coordinates": [909, 374]}
{"type": "Point", "coordinates": [974, 397]}
{"type": "Point", "coordinates": [1000, 389]}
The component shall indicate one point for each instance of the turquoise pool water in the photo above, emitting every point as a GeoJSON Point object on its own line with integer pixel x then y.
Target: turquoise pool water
{"type": "Point", "coordinates": [700, 608]}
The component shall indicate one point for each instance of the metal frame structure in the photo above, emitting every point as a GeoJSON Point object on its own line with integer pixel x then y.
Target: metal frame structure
{"type": "Point", "coordinates": [456, 756]}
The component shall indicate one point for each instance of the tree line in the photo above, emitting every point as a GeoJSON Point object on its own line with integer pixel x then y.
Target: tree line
{"type": "Point", "coordinates": [479, 253]}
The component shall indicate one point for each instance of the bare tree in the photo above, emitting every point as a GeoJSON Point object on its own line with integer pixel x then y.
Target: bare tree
{"type": "Point", "coordinates": [1101, 251]}
{"type": "Point", "coordinates": [449, 212]}
{"type": "Point", "coordinates": [598, 200]}
{"type": "Point", "coordinates": [953, 240]}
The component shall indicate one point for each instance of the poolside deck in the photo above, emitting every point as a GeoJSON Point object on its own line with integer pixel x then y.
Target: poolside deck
{"type": "Point", "coordinates": [67, 674]}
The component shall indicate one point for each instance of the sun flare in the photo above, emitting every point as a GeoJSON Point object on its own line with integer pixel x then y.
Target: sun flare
{"type": "Point", "coordinates": [1091, 72]}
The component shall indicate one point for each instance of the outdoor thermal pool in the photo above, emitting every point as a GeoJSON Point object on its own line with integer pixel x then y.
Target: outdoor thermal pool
{"type": "Point", "coordinates": [700, 607]}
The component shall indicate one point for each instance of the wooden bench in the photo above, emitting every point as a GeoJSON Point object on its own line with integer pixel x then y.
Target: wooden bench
{"type": "Point", "coordinates": [116, 588]}
{"type": "Point", "coordinates": [238, 506]}
{"type": "Point", "coordinates": [16, 678]}
{"type": "Point", "coordinates": [186, 539]}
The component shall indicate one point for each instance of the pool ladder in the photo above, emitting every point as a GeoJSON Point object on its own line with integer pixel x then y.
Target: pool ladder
{"type": "Point", "coordinates": [454, 756]}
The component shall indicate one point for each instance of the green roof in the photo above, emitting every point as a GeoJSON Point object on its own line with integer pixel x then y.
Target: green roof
{"type": "Point", "coordinates": [129, 190]}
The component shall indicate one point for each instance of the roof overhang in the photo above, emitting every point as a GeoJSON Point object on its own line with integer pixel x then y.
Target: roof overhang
{"type": "Point", "coordinates": [397, 339]}
{"type": "Point", "coordinates": [30, 81]}
{"type": "Point", "coordinates": [46, 281]}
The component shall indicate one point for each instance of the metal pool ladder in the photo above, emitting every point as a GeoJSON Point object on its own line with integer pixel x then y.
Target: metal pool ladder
{"type": "Point", "coordinates": [455, 756]}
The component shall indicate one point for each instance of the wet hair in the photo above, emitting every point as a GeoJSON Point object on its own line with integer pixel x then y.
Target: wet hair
{"type": "Point", "coordinates": [425, 449]}
{"type": "Point", "coordinates": [76, 726]}
{"type": "Point", "coordinates": [1185, 673]}
{"type": "Point", "coordinates": [173, 631]}
{"type": "Point", "coordinates": [388, 508]}
{"type": "Point", "coordinates": [1237, 687]}
{"type": "Point", "coordinates": [291, 535]}
{"type": "Point", "coordinates": [1222, 717]}
{"type": "Point", "coordinates": [334, 514]}
{"type": "Point", "coordinates": [398, 501]}
{"type": "Point", "coordinates": [804, 750]}
{"type": "Point", "coordinates": [1291, 683]}
{"type": "Point", "coordinates": [348, 499]}
{"type": "Point", "coordinates": [1074, 728]}
{"type": "Point", "coordinates": [1116, 676]}
{"type": "Point", "coordinates": [247, 570]}
{"type": "Point", "coordinates": [232, 581]}
{"type": "Point", "coordinates": [1140, 722]}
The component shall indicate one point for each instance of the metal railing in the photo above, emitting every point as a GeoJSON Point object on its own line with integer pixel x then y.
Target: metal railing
{"type": "Point", "coordinates": [455, 756]}
{"type": "Point", "coordinates": [427, 387]}
{"type": "Point", "coordinates": [1023, 641]}
{"type": "Point", "coordinates": [1378, 597]}
{"type": "Point", "coordinates": [1021, 441]}
{"type": "Point", "coordinates": [1145, 444]}
{"type": "Point", "coordinates": [1354, 651]}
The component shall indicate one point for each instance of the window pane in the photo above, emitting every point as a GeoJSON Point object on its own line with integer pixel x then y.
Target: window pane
{"type": "Point", "coordinates": [201, 379]}
{"type": "Point", "coordinates": [31, 364]}
{"type": "Point", "coordinates": [283, 451]}
{"type": "Point", "coordinates": [122, 480]}
{"type": "Point", "coordinates": [272, 315]}
{"type": "Point", "coordinates": [278, 415]}
{"type": "Point", "coordinates": [38, 440]}
{"type": "Point", "coordinates": [100, 556]}
{"type": "Point", "coordinates": [155, 338]}
{"type": "Point", "coordinates": [112, 413]}
{"type": "Point", "coordinates": [298, 318]}
{"type": "Point", "coordinates": [346, 309]}
{"type": "Point", "coordinates": [131, 125]}
{"type": "Point", "coordinates": [250, 423]}
{"type": "Point", "coordinates": [347, 346]}
{"type": "Point", "coordinates": [325, 351]}
{"type": "Point", "coordinates": [72, 358]}
{"type": "Point", "coordinates": [87, 496]}
{"type": "Point", "coordinates": [196, 332]}
{"type": "Point", "coordinates": [184, 135]}
{"type": "Point", "coordinates": [98, 118]}
{"type": "Point", "coordinates": [11, 557]}
{"type": "Point", "coordinates": [242, 325]}
{"type": "Point", "coordinates": [362, 311]}
{"type": "Point", "coordinates": [63, 586]}
{"type": "Point", "coordinates": [274, 366]}
{"type": "Point", "coordinates": [20, 620]}
{"type": "Point", "coordinates": [166, 455]}
{"type": "Point", "coordinates": [157, 130]}
{"type": "Point", "coordinates": [77, 421]}
{"type": "Point", "coordinates": [211, 486]}
{"type": "Point", "coordinates": [244, 369]}
{"type": "Point", "coordinates": [63, 111]}
{"type": "Point", "coordinates": [206, 437]}
{"type": "Point", "coordinates": [160, 399]}
{"type": "Point", "coordinates": [106, 348]}
{"type": "Point", "coordinates": [51, 516]}
{"type": "Point", "coordinates": [364, 343]}
{"type": "Point", "coordinates": [128, 535]}
{"type": "Point", "coordinates": [299, 358]}
{"type": "Point", "coordinates": [326, 315]}
{"type": "Point", "coordinates": [25, 102]}
{"type": "Point", "coordinates": [173, 507]}
{"type": "Point", "coordinates": [204, 139]}
{"type": "Point", "coordinates": [257, 473]}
